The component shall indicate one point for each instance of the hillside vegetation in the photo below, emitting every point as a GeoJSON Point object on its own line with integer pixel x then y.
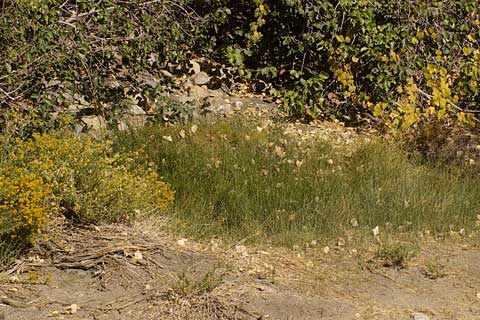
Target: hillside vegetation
{"type": "Point", "coordinates": [410, 68]}
{"type": "Point", "coordinates": [398, 63]}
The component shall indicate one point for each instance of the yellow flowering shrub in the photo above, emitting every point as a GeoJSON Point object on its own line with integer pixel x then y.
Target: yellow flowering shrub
{"type": "Point", "coordinates": [24, 203]}
{"type": "Point", "coordinates": [54, 175]}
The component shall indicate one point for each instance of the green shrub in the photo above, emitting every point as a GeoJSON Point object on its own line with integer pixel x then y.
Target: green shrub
{"type": "Point", "coordinates": [51, 176]}
{"type": "Point", "coordinates": [400, 61]}
{"type": "Point", "coordinates": [395, 254]}
{"type": "Point", "coordinates": [55, 53]}
{"type": "Point", "coordinates": [397, 61]}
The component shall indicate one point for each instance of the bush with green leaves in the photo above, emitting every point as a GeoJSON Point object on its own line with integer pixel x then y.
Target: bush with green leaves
{"type": "Point", "coordinates": [398, 61]}
{"type": "Point", "coordinates": [53, 52]}
{"type": "Point", "coordinates": [59, 175]}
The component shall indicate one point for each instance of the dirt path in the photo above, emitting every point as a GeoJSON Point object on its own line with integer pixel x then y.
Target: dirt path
{"type": "Point", "coordinates": [118, 272]}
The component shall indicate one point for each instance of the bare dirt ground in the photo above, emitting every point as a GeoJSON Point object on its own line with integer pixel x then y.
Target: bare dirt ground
{"type": "Point", "coordinates": [120, 272]}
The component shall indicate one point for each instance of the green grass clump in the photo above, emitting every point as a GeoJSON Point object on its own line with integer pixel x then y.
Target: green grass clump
{"type": "Point", "coordinates": [233, 181]}
{"type": "Point", "coordinates": [395, 254]}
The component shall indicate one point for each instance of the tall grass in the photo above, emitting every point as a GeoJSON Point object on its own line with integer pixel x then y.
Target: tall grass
{"type": "Point", "coordinates": [233, 181]}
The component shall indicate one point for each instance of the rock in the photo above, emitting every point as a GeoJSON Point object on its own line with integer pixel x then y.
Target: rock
{"type": "Point", "coordinates": [419, 316]}
{"type": "Point", "coordinates": [216, 93]}
{"type": "Point", "coordinates": [182, 242]}
{"type": "Point", "coordinates": [135, 110]}
{"type": "Point", "coordinates": [182, 98]}
{"type": "Point", "coordinates": [199, 92]}
{"type": "Point", "coordinates": [326, 250]}
{"type": "Point", "coordinates": [376, 231]}
{"type": "Point", "coordinates": [94, 122]}
{"type": "Point", "coordinates": [354, 222]}
{"type": "Point", "coordinates": [128, 121]}
{"type": "Point", "coordinates": [195, 67]}
{"type": "Point", "coordinates": [212, 103]}
{"type": "Point", "coordinates": [200, 78]}
{"type": "Point", "coordinates": [224, 108]}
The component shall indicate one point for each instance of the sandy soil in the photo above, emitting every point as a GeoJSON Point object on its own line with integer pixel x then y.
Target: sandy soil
{"type": "Point", "coordinates": [120, 272]}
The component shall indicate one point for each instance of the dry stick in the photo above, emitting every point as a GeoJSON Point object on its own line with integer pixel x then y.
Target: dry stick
{"type": "Point", "coordinates": [110, 305]}
{"type": "Point", "coordinates": [87, 261]}
{"type": "Point", "coordinates": [13, 303]}
{"type": "Point", "coordinates": [429, 96]}
{"type": "Point", "coordinates": [16, 267]}
{"type": "Point", "coordinates": [81, 15]}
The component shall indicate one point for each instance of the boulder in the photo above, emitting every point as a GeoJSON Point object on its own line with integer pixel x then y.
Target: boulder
{"type": "Point", "coordinates": [94, 122]}
{"type": "Point", "coordinates": [195, 67]}
{"type": "Point", "coordinates": [199, 92]}
{"type": "Point", "coordinates": [419, 316]}
{"type": "Point", "coordinates": [200, 78]}
{"type": "Point", "coordinates": [135, 110]}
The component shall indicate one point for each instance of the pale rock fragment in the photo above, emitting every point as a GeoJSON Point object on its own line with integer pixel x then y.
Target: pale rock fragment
{"type": "Point", "coordinates": [376, 231]}
{"type": "Point", "coordinates": [182, 242]}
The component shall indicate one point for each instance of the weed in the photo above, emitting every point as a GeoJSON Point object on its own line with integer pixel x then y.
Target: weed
{"type": "Point", "coordinates": [395, 254]}
{"type": "Point", "coordinates": [9, 250]}
{"type": "Point", "coordinates": [434, 270]}
{"type": "Point", "coordinates": [187, 287]}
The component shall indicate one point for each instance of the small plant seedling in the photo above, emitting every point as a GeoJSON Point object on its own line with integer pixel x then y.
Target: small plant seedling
{"type": "Point", "coordinates": [189, 287]}
{"type": "Point", "coordinates": [434, 270]}
{"type": "Point", "coordinates": [395, 254]}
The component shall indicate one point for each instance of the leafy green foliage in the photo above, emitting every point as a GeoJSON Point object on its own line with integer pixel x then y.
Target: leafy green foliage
{"type": "Point", "coordinates": [396, 254]}
{"type": "Point", "coordinates": [53, 51]}
{"type": "Point", "coordinates": [400, 61]}
{"type": "Point", "coordinates": [52, 176]}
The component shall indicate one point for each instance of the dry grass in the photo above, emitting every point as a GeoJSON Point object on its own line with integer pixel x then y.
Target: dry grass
{"type": "Point", "coordinates": [240, 181]}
